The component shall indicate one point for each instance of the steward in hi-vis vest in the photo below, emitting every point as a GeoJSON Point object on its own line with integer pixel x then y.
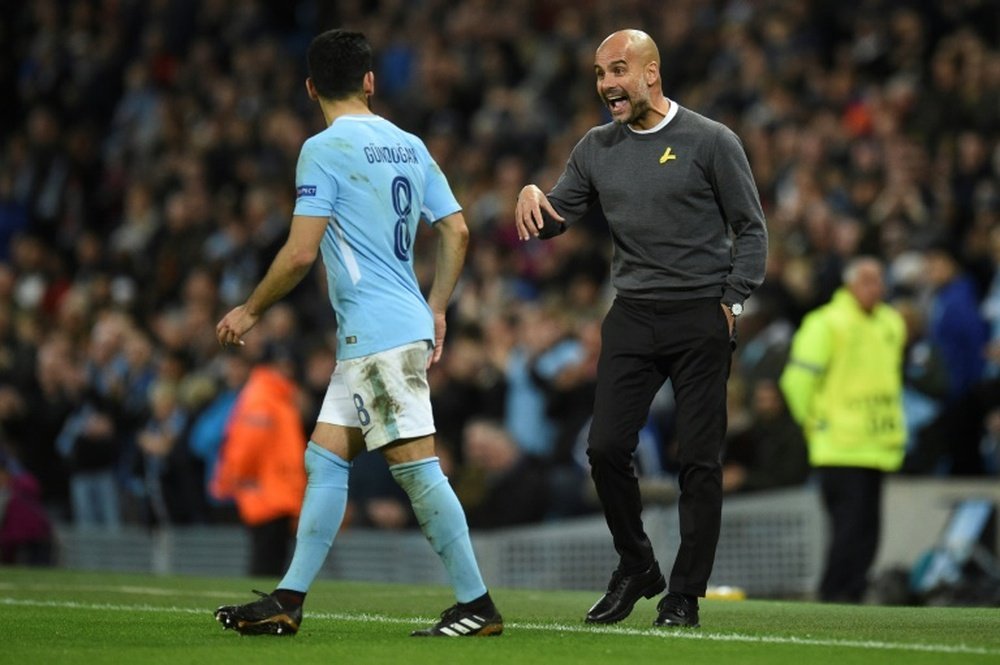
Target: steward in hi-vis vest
{"type": "Point", "coordinates": [844, 384]}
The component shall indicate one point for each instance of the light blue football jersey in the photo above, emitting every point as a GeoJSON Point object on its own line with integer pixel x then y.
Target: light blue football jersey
{"type": "Point", "coordinates": [374, 182]}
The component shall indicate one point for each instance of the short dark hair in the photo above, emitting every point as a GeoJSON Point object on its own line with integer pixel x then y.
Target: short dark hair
{"type": "Point", "coordinates": [338, 61]}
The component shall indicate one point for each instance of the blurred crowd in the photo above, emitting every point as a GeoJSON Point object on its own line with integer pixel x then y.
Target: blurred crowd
{"type": "Point", "coordinates": [147, 157]}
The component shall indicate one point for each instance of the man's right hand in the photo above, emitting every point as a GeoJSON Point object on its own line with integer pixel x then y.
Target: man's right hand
{"type": "Point", "coordinates": [528, 214]}
{"type": "Point", "coordinates": [234, 325]}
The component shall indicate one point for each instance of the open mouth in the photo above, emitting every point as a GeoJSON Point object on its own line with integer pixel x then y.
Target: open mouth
{"type": "Point", "coordinates": [616, 103]}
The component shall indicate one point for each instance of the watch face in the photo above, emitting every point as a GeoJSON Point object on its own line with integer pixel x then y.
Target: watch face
{"type": "Point", "coordinates": [736, 308]}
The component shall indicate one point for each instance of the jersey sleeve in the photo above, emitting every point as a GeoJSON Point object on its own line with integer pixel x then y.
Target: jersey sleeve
{"type": "Point", "coordinates": [439, 201]}
{"type": "Point", "coordinates": [315, 188]}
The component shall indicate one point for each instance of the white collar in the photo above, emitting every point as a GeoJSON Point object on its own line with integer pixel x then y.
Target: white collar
{"type": "Point", "coordinates": [663, 123]}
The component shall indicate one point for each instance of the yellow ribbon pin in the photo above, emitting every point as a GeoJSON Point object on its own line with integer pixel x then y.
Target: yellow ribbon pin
{"type": "Point", "coordinates": [667, 156]}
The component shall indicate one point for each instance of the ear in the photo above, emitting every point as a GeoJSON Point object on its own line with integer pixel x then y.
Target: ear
{"type": "Point", "coordinates": [368, 84]}
{"type": "Point", "coordinates": [652, 73]}
{"type": "Point", "coordinates": [311, 90]}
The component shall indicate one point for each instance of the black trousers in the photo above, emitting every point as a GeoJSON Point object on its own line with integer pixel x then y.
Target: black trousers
{"type": "Point", "coordinates": [643, 344]}
{"type": "Point", "coordinates": [852, 497]}
{"type": "Point", "coordinates": [269, 546]}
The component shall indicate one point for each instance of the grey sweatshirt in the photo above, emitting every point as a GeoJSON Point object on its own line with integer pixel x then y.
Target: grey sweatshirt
{"type": "Point", "coordinates": [681, 203]}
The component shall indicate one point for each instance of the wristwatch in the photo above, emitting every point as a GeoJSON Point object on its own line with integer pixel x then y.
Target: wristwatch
{"type": "Point", "coordinates": [735, 308]}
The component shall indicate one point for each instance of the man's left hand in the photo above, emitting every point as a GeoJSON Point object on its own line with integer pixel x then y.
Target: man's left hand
{"type": "Point", "coordinates": [730, 319]}
{"type": "Point", "coordinates": [439, 330]}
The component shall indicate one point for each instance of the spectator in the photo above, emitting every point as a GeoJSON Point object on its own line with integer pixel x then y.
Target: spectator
{"type": "Point", "coordinates": [319, 363]}
{"type": "Point", "coordinates": [925, 376]}
{"type": "Point", "coordinates": [960, 439]}
{"type": "Point", "coordinates": [374, 498]}
{"type": "Point", "coordinates": [499, 484]}
{"type": "Point", "coordinates": [544, 348]}
{"type": "Point", "coordinates": [39, 413]}
{"type": "Point", "coordinates": [208, 431]}
{"type": "Point", "coordinates": [13, 214]}
{"type": "Point", "coordinates": [570, 400]}
{"type": "Point", "coordinates": [771, 452]}
{"type": "Point", "coordinates": [94, 437]}
{"type": "Point", "coordinates": [169, 487]}
{"type": "Point", "coordinates": [468, 386]}
{"type": "Point", "coordinates": [26, 536]}
{"type": "Point", "coordinates": [991, 307]}
{"type": "Point", "coordinates": [954, 324]}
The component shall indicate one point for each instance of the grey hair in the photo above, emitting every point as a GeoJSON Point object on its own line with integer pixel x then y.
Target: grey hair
{"type": "Point", "coordinates": [850, 273]}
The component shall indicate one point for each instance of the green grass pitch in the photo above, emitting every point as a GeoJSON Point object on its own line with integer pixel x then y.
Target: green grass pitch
{"type": "Point", "coordinates": [58, 616]}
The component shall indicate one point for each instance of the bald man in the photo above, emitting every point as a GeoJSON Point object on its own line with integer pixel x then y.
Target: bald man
{"type": "Point", "coordinates": [690, 246]}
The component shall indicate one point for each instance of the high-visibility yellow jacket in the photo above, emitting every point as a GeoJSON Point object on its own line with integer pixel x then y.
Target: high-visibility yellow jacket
{"type": "Point", "coordinates": [844, 384]}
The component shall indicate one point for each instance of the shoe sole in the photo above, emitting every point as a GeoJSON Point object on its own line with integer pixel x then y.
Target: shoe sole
{"type": "Point", "coordinates": [280, 624]}
{"type": "Point", "coordinates": [652, 590]}
{"type": "Point", "coordinates": [674, 624]}
{"type": "Point", "coordinates": [490, 630]}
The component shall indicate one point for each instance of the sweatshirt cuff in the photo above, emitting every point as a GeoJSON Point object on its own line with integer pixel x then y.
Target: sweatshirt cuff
{"type": "Point", "coordinates": [730, 296]}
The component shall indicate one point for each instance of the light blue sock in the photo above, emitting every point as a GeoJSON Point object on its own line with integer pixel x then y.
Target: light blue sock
{"type": "Point", "coordinates": [322, 512]}
{"type": "Point", "coordinates": [443, 522]}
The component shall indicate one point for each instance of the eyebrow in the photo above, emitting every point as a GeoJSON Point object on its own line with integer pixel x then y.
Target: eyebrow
{"type": "Point", "coordinates": [620, 61]}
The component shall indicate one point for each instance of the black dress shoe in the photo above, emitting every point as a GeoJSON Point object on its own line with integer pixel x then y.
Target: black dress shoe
{"type": "Point", "coordinates": [624, 591]}
{"type": "Point", "coordinates": [677, 610]}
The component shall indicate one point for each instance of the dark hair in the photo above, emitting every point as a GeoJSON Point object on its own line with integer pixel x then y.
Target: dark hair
{"type": "Point", "coordinates": [945, 245]}
{"type": "Point", "coordinates": [338, 61]}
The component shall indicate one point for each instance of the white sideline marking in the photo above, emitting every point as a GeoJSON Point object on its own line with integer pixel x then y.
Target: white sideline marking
{"type": "Point", "coordinates": [606, 630]}
{"type": "Point", "coordinates": [103, 588]}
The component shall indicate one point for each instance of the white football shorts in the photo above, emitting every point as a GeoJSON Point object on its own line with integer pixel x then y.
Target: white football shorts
{"type": "Point", "coordinates": [385, 395]}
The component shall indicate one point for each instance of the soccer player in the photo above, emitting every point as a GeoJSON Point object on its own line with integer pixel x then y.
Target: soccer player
{"type": "Point", "coordinates": [363, 185]}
